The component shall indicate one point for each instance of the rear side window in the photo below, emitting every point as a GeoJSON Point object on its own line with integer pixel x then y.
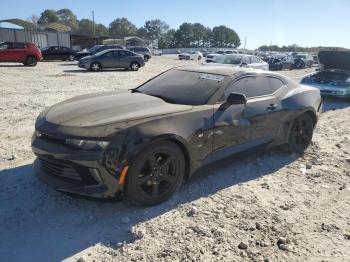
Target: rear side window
{"type": "Point", "coordinates": [5, 46]}
{"type": "Point", "coordinates": [18, 45]}
{"type": "Point", "coordinates": [254, 86]}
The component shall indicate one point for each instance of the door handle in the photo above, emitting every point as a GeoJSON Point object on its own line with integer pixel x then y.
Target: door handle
{"type": "Point", "coordinates": [271, 107]}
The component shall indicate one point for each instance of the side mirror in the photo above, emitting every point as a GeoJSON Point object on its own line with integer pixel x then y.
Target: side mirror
{"type": "Point", "coordinates": [236, 99]}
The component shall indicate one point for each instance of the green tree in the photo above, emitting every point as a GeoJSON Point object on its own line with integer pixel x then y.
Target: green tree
{"type": "Point", "coordinates": [48, 16]}
{"type": "Point", "coordinates": [167, 40]}
{"type": "Point", "coordinates": [86, 26]}
{"type": "Point", "coordinates": [122, 27]}
{"type": "Point", "coordinates": [184, 35]}
{"type": "Point", "coordinates": [223, 36]}
{"type": "Point", "coordinates": [68, 18]}
{"type": "Point", "coordinates": [153, 30]}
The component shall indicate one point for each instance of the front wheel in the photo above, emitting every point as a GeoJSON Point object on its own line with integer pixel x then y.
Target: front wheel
{"type": "Point", "coordinates": [95, 67]}
{"type": "Point", "coordinates": [156, 174]}
{"type": "Point", "coordinates": [134, 66]}
{"type": "Point", "coordinates": [188, 58]}
{"type": "Point", "coordinates": [301, 134]}
{"type": "Point", "coordinates": [199, 57]}
{"type": "Point", "coordinates": [146, 58]}
{"type": "Point", "coordinates": [31, 61]}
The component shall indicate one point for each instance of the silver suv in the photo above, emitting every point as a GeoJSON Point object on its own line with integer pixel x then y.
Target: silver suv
{"type": "Point", "coordinates": [141, 50]}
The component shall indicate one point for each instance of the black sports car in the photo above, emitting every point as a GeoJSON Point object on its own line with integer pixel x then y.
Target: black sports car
{"type": "Point", "coordinates": [143, 143]}
{"type": "Point", "coordinates": [58, 53]}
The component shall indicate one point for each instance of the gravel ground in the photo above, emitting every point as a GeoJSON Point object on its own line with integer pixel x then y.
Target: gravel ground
{"type": "Point", "coordinates": [262, 206]}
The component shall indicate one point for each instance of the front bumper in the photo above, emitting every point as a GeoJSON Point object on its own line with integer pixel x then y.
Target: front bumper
{"type": "Point", "coordinates": [73, 171]}
{"type": "Point", "coordinates": [85, 65]}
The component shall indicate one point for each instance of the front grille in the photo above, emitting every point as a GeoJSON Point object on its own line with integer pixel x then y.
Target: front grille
{"type": "Point", "coordinates": [52, 139]}
{"type": "Point", "coordinates": [67, 170]}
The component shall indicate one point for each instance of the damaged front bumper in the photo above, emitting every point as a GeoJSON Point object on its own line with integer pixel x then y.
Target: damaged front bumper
{"type": "Point", "coordinates": [73, 170]}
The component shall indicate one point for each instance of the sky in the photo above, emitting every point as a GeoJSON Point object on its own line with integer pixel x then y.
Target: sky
{"type": "Point", "coordinates": [281, 22]}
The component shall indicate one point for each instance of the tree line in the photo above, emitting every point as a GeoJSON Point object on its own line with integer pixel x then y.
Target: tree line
{"type": "Point", "coordinates": [156, 32]}
{"type": "Point", "coordinates": [296, 48]}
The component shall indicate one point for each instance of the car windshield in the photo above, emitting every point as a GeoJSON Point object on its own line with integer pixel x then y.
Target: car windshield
{"type": "Point", "coordinates": [182, 87]}
{"type": "Point", "coordinates": [229, 59]}
{"type": "Point", "coordinates": [94, 48]}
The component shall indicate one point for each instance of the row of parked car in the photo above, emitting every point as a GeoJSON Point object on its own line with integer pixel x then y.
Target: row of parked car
{"type": "Point", "coordinates": [95, 58]}
{"type": "Point", "coordinates": [276, 61]}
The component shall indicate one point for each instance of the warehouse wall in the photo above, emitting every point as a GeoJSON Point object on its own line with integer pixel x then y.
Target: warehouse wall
{"type": "Point", "coordinates": [40, 38]}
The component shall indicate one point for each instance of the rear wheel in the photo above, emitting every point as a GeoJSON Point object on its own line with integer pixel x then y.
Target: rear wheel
{"type": "Point", "coordinates": [301, 134]}
{"type": "Point", "coordinates": [134, 66]}
{"type": "Point", "coordinates": [146, 58]}
{"type": "Point", "coordinates": [156, 174]}
{"type": "Point", "coordinates": [187, 58]}
{"type": "Point", "coordinates": [199, 57]}
{"type": "Point", "coordinates": [95, 67]}
{"type": "Point", "coordinates": [31, 61]}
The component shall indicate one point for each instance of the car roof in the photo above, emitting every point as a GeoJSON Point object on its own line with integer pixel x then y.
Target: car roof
{"type": "Point", "coordinates": [221, 70]}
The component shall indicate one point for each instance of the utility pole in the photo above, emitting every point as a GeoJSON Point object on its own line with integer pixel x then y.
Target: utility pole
{"type": "Point", "coordinates": [245, 42]}
{"type": "Point", "coordinates": [93, 22]}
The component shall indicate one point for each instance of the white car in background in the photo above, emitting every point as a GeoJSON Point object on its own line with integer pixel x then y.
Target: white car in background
{"type": "Point", "coordinates": [191, 55]}
{"type": "Point", "coordinates": [156, 52]}
{"type": "Point", "coordinates": [211, 57]}
{"type": "Point", "coordinates": [241, 60]}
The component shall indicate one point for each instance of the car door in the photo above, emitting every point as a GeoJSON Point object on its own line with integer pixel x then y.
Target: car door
{"type": "Point", "coordinates": [107, 60]}
{"type": "Point", "coordinates": [125, 58]}
{"type": "Point", "coordinates": [5, 51]}
{"type": "Point", "coordinates": [240, 127]}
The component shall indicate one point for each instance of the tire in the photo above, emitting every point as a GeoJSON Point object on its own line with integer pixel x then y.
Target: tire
{"type": "Point", "coordinates": [95, 67]}
{"type": "Point", "coordinates": [146, 58]}
{"type": "Point", "coordinates": [134, 66]}
{"type": "Point", "coordinates": [199, 57]}
{"type": "Point", "coordinates": [300, 134]}
{"type": "Point", "coordinates": [299, 65]}
{"type": "Point", "coordinates": [146, 182]}
{"type": "Point", "coordinates": [71, 58]}
{"type": "Point", "coordinates": [31, 61]}
{"type": "Point", "coordinates": [188, 58]}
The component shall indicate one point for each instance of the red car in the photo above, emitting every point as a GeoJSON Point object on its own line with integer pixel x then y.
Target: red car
{"type": "Point", "coordinates": [27, 53]}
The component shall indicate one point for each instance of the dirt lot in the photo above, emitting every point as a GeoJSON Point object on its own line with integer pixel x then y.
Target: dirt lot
{"type": "Point", "coordinates": [301, 202]}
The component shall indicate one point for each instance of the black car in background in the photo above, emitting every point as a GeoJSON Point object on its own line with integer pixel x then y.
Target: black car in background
{"type": "Point", "coordinates": [141, 50]}
{"type": "Point", "coordinates": [112, 58]}
{"type": "Point", "coordinates": [280, 62]}
{"type": "Point", "coordinates": [58, 53]}
{"type": "Point", "coordinates": [95, 49]}
{"type": "Point", "coordinates": [303, 60]}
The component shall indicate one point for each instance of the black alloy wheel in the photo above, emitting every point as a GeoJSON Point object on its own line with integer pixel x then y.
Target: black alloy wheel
{"type": "Point", "coordinates": [301, 134]}
{"type": "Point", "coordinates": [156, 174]}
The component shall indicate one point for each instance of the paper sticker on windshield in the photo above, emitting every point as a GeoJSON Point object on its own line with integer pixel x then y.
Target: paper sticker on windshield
{"type": "Point", "coordinates": [212, 77]}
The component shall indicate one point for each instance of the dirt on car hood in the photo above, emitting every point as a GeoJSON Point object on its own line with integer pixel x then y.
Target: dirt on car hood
{"type": "Point", "coordinates": [104, 108]}
{"type": "Point", "coordinates": [334, 60]}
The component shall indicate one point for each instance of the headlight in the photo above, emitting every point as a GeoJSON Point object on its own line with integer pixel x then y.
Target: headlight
{"type": "Point", "coordinates": [87, 144]}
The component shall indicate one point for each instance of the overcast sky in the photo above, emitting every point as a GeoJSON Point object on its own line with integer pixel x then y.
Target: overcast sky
{"type": "Point", "coordinates": [281, 22]}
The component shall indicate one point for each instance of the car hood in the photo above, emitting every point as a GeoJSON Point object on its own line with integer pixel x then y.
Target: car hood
{"type": "Point", "coordinates": [106, 108]}
{"type": "Point", "coordinates": [84, 52]}
{"type": "Point", "coordinates": [88, 57]}
{"type": "Point", "coordinates": [334, 60]}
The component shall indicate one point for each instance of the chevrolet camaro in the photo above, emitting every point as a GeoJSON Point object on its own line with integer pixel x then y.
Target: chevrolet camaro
{"type": "Point", "coordinates": [143, 143]}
